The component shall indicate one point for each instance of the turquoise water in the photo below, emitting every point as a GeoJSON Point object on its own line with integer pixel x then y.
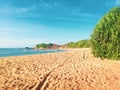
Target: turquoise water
{"type": "Point", "coordinates": [5, 52]}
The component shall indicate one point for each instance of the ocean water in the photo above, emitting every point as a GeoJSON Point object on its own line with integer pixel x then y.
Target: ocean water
{"type": "Point", "coordinates": [5, 52]}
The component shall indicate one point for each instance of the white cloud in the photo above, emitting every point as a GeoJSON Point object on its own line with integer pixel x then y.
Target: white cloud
{"type": "Point", "coordinates": [117, 2]}
{"type": "Point", "coordinates": [44, 4]}
{"type": "Point", "coordinates": [9, 9]}
{"type": "Point", "coordinates": [6, 9]}
{"type": "Point", "coordinates": [25, 9]}
{"type": "Point", "coordinates": [87, 15]}
{"type": "Point", "coordinates": [19, 10]}
{"type": "Point", "coordinates": [81, 15]}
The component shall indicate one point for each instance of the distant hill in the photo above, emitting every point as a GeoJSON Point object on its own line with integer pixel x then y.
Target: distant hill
{"type": "Point", "coordinates": [78, 44]}
{"type": "Point", "coordinates": [46, 46]}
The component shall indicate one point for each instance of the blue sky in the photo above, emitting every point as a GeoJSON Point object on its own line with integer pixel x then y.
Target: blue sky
{"type": "Point", "coordinates": [29, 22]}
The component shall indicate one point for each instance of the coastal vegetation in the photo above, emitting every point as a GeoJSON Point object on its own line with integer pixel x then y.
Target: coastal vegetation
{"type": "Point", "coordinates": [79, 44]}
{"type": "Point", "coordinates": [105, 40]}
{"type": "Point", "coordinates": [46, 46]}
{"type": "Point", "coordinates": [43, 45]}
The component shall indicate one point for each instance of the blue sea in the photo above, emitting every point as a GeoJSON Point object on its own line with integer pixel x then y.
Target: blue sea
{"type": "Point", "coordinates": [6, 52]}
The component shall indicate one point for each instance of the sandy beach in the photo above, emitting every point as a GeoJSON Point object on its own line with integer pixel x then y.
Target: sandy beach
{"type": "Point", "coordinates": [69, 70]}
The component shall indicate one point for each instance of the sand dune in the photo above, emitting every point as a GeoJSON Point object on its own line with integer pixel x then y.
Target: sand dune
{"type": "Point", "coordinates": [70, 70]}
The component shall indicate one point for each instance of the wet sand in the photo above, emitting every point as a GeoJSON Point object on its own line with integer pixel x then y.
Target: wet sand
{"type": "Point", "coordinates": [70, 70]}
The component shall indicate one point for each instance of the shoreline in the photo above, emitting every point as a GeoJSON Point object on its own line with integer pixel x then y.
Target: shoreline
{"type": "Point", "coordinates": [59, 71]}
{"type": "Point", "coordinates": [64, 50]}
{"type": "Point", "coordinates": [56, 51]}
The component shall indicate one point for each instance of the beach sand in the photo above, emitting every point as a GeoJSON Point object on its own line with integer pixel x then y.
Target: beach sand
{"type": "Point", "coordinates": [70, 70]}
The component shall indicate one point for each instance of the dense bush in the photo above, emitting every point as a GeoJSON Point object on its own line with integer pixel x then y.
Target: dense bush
{"type": "Point", "coordinates": [79, 44]}
{"type": "Point", "coordinates": [105, 40]}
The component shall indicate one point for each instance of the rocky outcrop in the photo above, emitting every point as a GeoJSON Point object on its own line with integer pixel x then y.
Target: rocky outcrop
{"type": "Point", "coordinates": [63, 46]}
{"type": "Point", "coordinates": [53, 46]}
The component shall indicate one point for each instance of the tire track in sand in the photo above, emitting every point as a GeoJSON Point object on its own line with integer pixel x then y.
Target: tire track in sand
{"type": "Point", "coordinates": [43, 85]}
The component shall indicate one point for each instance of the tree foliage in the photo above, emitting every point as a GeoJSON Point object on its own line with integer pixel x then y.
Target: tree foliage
{"type": "Point", "coordinates": [105, 39]}
{"type": "Point", "coordinates": [79, 44]}
{"type": "Point", "coordinates": [43, 45]}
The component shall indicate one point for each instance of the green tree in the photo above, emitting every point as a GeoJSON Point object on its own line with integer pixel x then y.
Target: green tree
{"type": "Point", "coordinates": [42, 45]}
{"type": "Point", "coordinates": [79, 44]}
{"type": "Point", "coordinates": [105, 40]}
